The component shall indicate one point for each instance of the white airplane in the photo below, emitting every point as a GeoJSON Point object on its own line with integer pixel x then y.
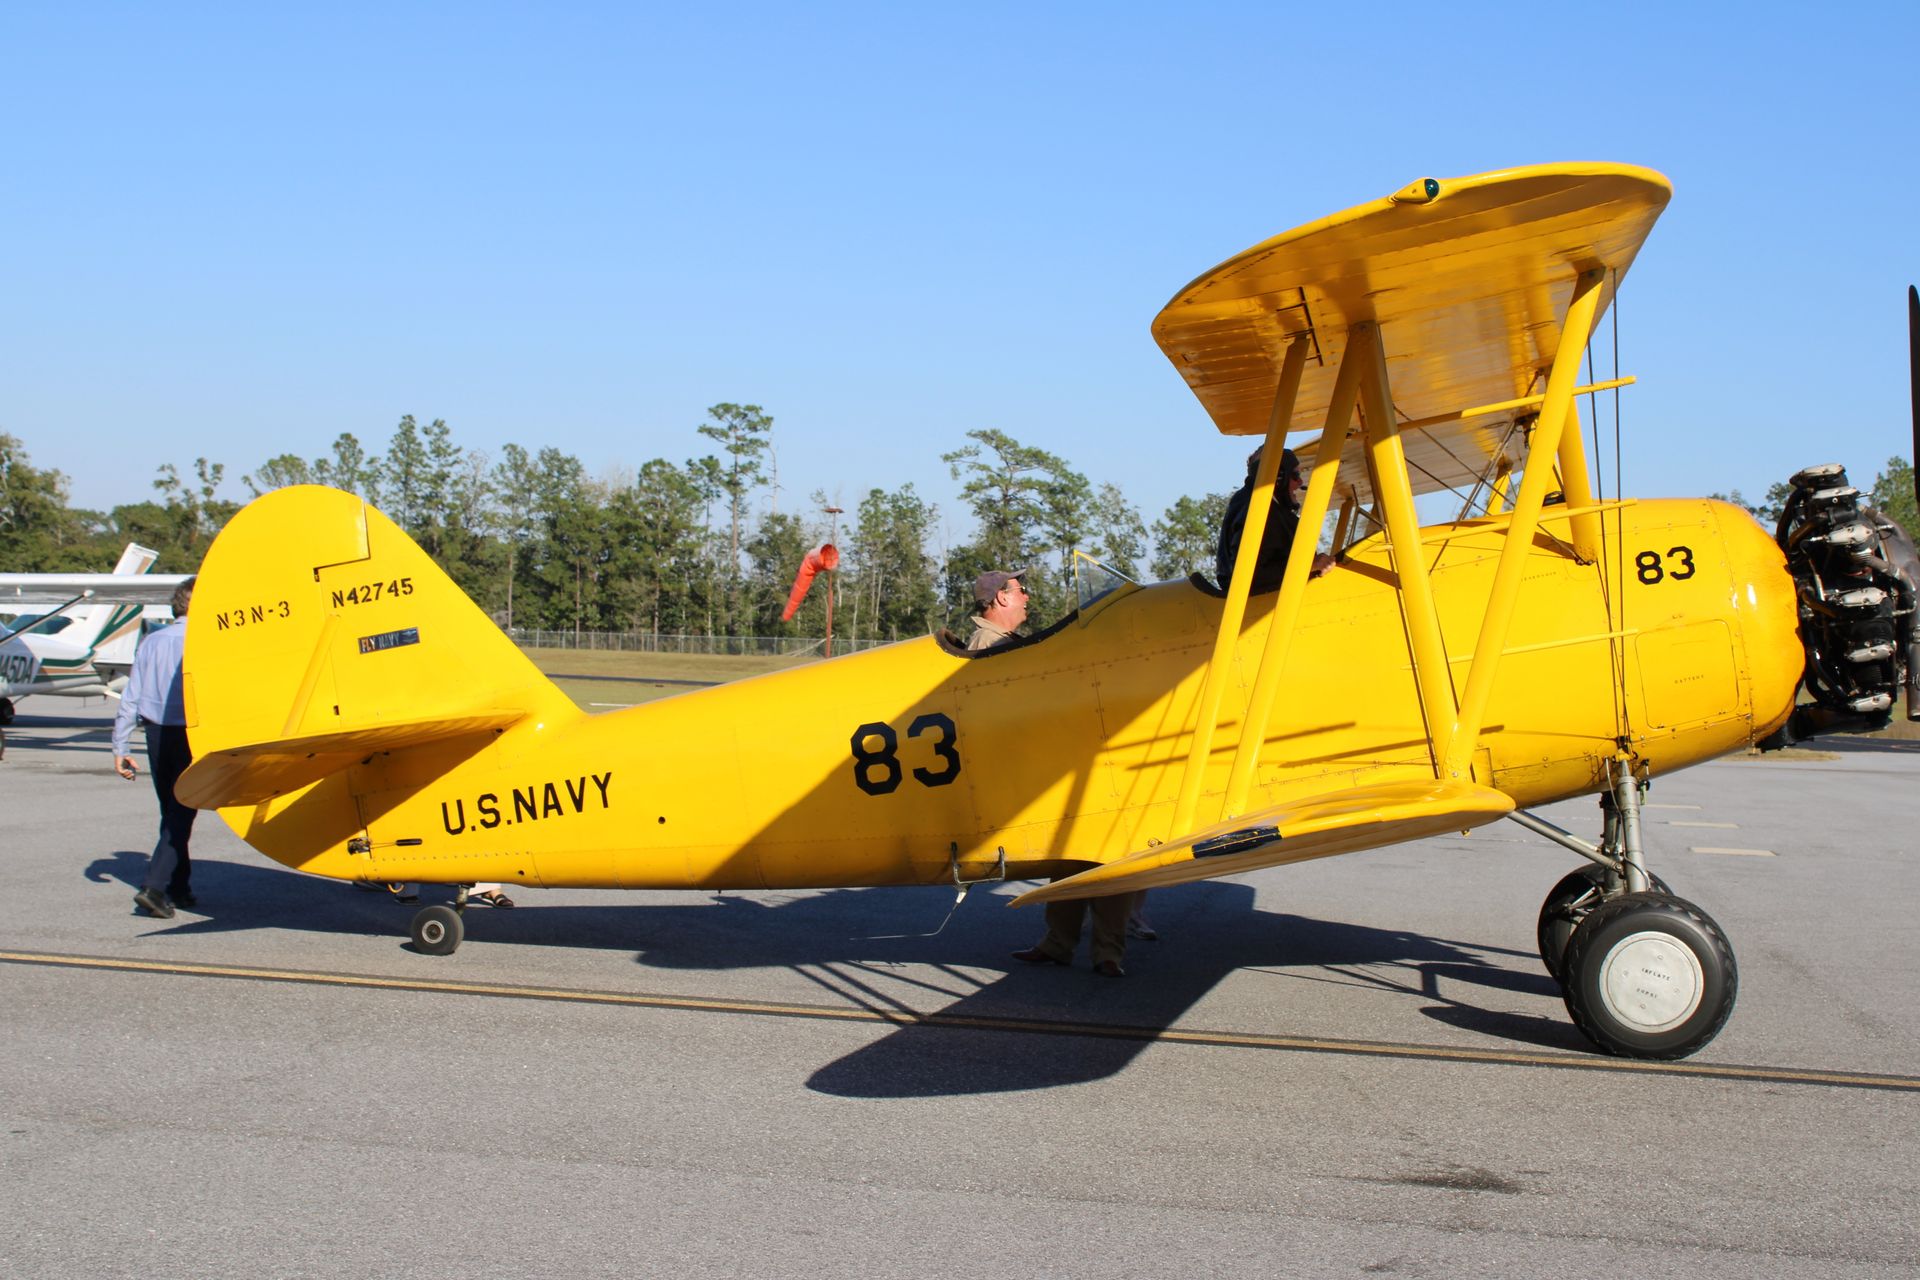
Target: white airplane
{"type": "Point", "coordinates": [74, 633]}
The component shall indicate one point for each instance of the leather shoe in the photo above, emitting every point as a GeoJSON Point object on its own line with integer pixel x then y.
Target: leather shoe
{"type": "Point", "coordinates": [1036, 955]}
{"type": "Point", "coordinates": [1110, 969]}
{"type": "Point", "coordinates": [154, 903]}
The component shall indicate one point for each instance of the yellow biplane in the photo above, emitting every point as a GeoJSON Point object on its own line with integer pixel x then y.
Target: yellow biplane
{"type": "Point", "coordinates": [354, 715]}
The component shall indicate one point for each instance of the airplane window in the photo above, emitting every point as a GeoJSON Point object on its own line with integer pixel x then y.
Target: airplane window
{"type": "Point", "coordinates": [50, 626]}
{"type": "Point", "coordinates": [1092, 579]}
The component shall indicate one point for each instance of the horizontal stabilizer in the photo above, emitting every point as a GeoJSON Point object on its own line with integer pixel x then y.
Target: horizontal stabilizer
{"type": "Point", "coordinates": [1315, 827]}
{"type": "Point", "coordinates": [251, 774]}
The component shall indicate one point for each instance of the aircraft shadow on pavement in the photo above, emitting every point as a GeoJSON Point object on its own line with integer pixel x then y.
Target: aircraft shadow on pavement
{"type": "Point", "coordinates": [55, 734]}
{"type": "Point", "coordinates": [1847, 744]}
{"type": "Point", "coordinates": [1209, 931]}
{"type": "Point", "coordinates": [874, 948]}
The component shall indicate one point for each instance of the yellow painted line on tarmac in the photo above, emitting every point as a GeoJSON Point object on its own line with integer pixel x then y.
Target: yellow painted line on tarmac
{"type": "Point", "coordinates": [966, 1022]}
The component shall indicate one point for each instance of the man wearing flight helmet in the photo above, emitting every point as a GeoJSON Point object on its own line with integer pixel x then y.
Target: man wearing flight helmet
{"type": "Point", "coordinates": [1283, 521]}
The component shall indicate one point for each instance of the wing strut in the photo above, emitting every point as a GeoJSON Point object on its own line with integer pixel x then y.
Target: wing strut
{"type": "Point", "coordinates": [1240, 587]}
{"type": "Point", "coordinates": [1453, 725]}
{"type": "Point", "coordinates": [1502, 489]}
{"type": "Point", "coordinates": [1555, 415]}
{"type": "Point", "coordinates": [1576, 485]}
{"type": "Point", "coordinates": [1393, 494]}
{"type": "Point", "coordinates": [1293, 586]}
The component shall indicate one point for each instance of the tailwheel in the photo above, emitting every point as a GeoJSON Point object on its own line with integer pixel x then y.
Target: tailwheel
{"type": "Point", "coordinates": [437, 930]}
{"type": "Point", "coordinates": [1649, 975]}
{"type": "Point", "coordinates": [1567, 904]}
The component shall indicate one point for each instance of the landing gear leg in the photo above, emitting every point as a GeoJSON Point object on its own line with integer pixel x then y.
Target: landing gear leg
{"type": "Point", "coordinates": [1586, 887]}
{"type": "Point", "coordinates": [1644, 974]}
{"type": "Point", "coordinates": [1626, 821]}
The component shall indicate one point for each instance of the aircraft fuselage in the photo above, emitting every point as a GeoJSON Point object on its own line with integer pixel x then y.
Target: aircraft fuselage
{"type": "Point", "coordinates": [899, 765]}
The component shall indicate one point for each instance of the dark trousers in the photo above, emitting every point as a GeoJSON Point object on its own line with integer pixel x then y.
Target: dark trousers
{"type": "Point", "coordinates": [167, 758]}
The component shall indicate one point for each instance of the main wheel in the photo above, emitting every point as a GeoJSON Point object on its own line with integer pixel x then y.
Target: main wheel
{"type": "Point", "coordinates": [1649, 975]}
{"type": "Point", "coordinates": [437, 930]}
{"type": "Point", "coordinates": [1567, 904]}
{"type": "Point", "coordinates": [6, 711]}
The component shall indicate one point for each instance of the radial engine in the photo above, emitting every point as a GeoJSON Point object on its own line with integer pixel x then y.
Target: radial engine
{"type": "Point", "coordinates": [1858, 580]}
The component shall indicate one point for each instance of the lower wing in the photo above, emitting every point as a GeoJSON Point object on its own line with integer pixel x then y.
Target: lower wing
{"type": "Point", "coordinates": [1316, 827]}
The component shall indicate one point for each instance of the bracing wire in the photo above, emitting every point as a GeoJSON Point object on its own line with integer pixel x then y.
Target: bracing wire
{"type": "Point", "coordinates": [1618, 645]}
{"type": "Point", "coordinates": [1600, 495]}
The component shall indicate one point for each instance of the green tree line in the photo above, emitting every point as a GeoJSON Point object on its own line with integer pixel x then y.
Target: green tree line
{"type": "Point", "coordinates": [693, 547]}
{"type": "Point", "coordinates": [696, 547]}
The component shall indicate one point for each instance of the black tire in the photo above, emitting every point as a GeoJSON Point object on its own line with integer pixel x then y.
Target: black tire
{"type": "Point", "coordinates": [1649, 975]}
{"type": "Point", "coordinates": [6, 712]}
{"type": "Point", "coordinates": [1567, 904]}
{"type": "Point", "coordinates": [437, 930]}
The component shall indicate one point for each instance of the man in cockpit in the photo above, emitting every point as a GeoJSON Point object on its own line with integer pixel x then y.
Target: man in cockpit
{"type": "Point", "coordinates": [1003, 607]}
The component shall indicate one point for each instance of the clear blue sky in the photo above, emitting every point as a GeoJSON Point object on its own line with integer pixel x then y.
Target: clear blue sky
{"type": "Point", "coordinates": [237, 230]}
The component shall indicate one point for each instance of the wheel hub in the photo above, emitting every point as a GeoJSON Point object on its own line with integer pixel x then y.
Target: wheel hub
{"type": "Point", "coordinates": [1652, 981]}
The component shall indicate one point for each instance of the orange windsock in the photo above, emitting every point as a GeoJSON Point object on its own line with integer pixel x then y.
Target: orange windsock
{"type": "Point", "coordinates": [824, 556]}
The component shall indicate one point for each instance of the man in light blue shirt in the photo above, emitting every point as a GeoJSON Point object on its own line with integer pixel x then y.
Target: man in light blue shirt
{"type": "Point", "coordinates": [153, 699]}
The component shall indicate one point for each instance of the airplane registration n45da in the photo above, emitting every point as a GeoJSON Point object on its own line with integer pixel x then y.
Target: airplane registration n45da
{"type": "Point", "coordinates": [1545, 644]}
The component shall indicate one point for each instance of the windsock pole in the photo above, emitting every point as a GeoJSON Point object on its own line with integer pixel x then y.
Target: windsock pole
{"type": "Point", "coordinates": [833, 537]}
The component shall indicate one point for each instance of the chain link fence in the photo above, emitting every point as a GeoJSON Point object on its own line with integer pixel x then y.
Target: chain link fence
{"type": "Point", "coordinates": [646, 642]}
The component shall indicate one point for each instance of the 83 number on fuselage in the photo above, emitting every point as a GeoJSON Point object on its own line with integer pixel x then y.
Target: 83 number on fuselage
{"type": "Point", "coordinates": [878, 771]}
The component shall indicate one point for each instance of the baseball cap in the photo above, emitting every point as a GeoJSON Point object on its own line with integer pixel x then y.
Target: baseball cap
{"type": "Point", "coordinates": [989, 584]}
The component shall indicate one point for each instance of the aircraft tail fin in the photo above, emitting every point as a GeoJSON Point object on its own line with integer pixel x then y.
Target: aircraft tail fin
{"type": "Point", "coordinates": [321, 635]}
{"type": "Point", "coordinates": [1316, 827]}
{"type": "Point", "coordinates": [136, 559]}
{"type": "Point", "coordinates": [109, 629]}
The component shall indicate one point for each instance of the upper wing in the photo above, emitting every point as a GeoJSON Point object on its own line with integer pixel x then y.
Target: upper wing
{"type": "Point", "coordinates": [1338, 822]}
{"type": "Point", "coordinates": [1467, 278]}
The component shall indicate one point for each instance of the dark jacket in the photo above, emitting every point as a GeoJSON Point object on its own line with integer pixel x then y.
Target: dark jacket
{"type": "Point", "coordinates": [1275, 546]}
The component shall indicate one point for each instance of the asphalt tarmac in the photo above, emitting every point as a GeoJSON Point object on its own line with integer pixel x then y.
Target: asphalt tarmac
{"type": "Point", "coordinates": [1355, 1067]}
